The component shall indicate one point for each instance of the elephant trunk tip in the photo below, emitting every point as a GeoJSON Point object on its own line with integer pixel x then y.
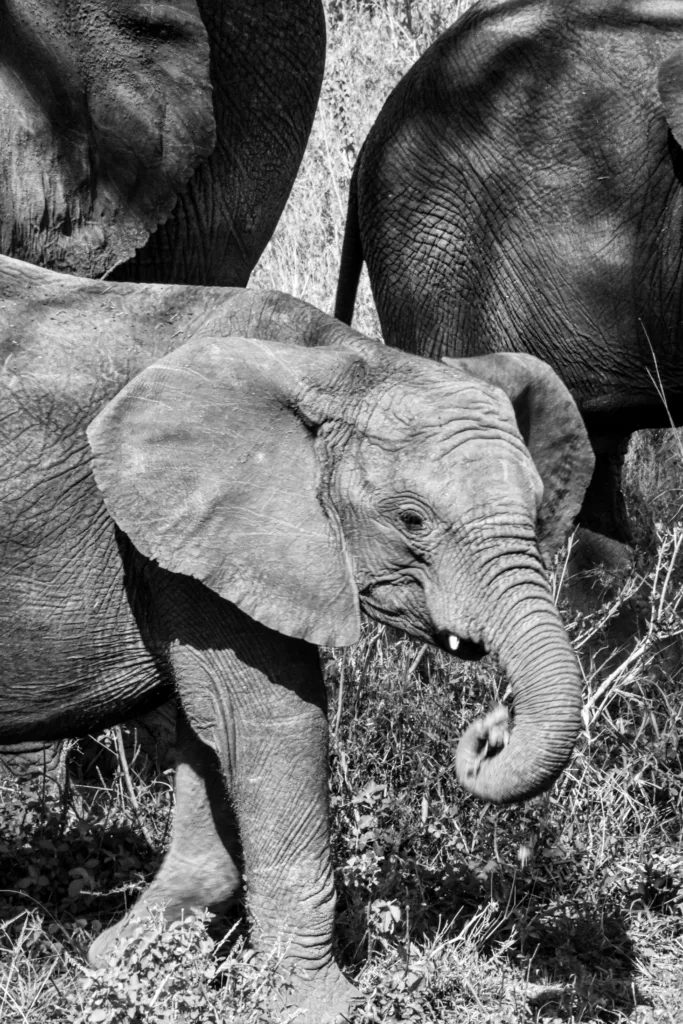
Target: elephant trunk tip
{"type": "Point", "coordinates": [488, 765]}
{"type": "Point", "coordinates": [508, 761]}
{"type": "Point", "coordinates": [482, 740]}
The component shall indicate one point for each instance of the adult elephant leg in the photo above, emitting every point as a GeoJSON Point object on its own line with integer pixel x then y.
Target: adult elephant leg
{"type": "Point", "coordinates": [601, 554]}
{"type": "Point", "coordinates": [155, 732]}
{"type": "Point", "coordinates": [258, 699]}
{"type": "Point", "coordinates": [604, 509]}
{"type": "Point", "coordinates": [200, 867]}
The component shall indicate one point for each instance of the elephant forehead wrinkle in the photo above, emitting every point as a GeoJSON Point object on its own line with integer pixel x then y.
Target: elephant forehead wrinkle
{"type": "Point", "coordinates": [480, 480]}
{"type": "Point", "coordinates": [466, 446]}
{"type": "Point", "coordinates": [435, 403]}
{"type": "Point", "coordinates": [392, 421]}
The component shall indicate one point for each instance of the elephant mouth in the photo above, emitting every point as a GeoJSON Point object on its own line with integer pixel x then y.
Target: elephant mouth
{"type": "Point", "coordinates": [467, 650]}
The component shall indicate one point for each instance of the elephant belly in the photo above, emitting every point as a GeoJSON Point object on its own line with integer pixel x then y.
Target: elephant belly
{"type": "Point", "coordinates": [71, 663]}
{"type": "Point", "coordinates": [72, 657]}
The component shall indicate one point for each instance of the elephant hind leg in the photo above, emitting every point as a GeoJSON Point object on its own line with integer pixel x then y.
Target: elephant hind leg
{"type": "Point", "coordinates": [601, 556]}
{"type": "Point", "coordinates": [604, 509]}
{"type": "Point", "coordinates": [200, 868]}
{"type": "Point", "coordinates": [40, 761]}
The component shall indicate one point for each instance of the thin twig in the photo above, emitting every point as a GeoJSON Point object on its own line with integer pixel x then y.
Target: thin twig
{"type": "Point", "coordinates": [635, 655]}
{"type": "Point", "coordinates": [125, 771]}
{"type": "Point", "coordinates": [414, 663]}
{"type": "Point", "coordinates": [123, 762]}
{"type": "Point", "coordinates": [417, 659]}
{"type": "Point", "coordinates": [557, 584]}
{"type": "Point", "coordinates": [677, 541]}
{"type": "Point", "coordinates": [340, 699]}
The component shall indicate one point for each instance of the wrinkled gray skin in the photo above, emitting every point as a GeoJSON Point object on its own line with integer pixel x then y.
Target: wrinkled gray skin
{"type": "Point", "coordinates": [160, 139]}
{"type": "Point", "coordinates": [150, 142]}
{"type": "Point", "coordinates": [200, 485]}
{"type": "Point", "coordinates": [522, 190]}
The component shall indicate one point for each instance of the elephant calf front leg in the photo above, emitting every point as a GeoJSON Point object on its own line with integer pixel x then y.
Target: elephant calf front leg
{"type": "Point", "coordinates": [262, 706]}
{"type": "Point", "coordinates": [200, 867]}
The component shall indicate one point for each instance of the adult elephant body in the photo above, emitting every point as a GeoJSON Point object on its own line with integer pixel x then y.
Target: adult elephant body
{"type": "Point", "coordinates": [522, 190]}
{"type": "Point", "coordinates": [153, 141]}
{"type": "Point", "coordinates": [202, 484]}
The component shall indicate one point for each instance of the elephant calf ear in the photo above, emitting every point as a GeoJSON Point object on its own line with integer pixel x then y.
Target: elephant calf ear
{"type": "Point", "coordinates": [670, 85]}
{"type": "Point", "coordinates": [553, 431]}
{"type": "Point", "coordinates": [206, 462]}
{"type": "Point", "coordinates": [106, 112]}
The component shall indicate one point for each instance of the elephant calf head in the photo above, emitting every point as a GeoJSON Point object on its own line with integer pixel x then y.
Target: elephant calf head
{"type": "Point", "coordinates": [302, 484]}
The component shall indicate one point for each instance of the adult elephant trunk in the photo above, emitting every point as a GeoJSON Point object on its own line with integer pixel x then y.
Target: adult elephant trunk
{"type": "Point", "coordinates": [534, 651]}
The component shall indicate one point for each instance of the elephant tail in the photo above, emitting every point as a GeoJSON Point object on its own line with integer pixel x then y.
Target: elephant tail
{"type": "Point", "coordinates": [351, 256]}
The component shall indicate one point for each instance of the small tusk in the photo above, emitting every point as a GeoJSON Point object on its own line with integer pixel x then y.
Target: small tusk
{"type": "Point", "coordinates": [453, 642]}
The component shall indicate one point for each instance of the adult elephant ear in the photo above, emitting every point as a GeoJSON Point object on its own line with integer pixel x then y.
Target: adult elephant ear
{"type": "Point", "coordinates": [212, 462]}
{"type": "Point", "coordinates": [106, 112]}
{"type": "Point", "coordinates": [553, 431]}
{"type": "Point", "coordinates": [670, 85]}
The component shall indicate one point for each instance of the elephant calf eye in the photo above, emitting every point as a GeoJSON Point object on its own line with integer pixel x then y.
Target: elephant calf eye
{"type": "Point", "coordinates": [412, 521]}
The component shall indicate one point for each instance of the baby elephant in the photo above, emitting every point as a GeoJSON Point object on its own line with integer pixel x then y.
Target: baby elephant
{"type": "Point", "coordinates": [198, 487]}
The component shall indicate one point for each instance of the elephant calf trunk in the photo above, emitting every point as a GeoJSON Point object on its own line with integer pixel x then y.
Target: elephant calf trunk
{"type": "Point", "coordinates": [506, 763]}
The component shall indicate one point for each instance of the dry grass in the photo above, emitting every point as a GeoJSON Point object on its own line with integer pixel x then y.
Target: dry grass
{"type": "Point", "coordinates": [569, 908]}
{"type": "Point", "coordinates": [371, 44]}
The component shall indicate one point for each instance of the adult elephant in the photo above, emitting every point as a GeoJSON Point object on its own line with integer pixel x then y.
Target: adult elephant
{"type": "Point", "coordinates": [203, 484]}
{"type": "Point", "coordinates": [153, 141]}
{"type": "Point", "coordinates": [522, 190]}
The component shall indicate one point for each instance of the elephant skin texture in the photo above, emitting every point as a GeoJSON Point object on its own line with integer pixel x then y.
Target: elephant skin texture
{"type": "Point", "coordinates": [153, 141]}
{"type": "Point", "coordinates": [200, 486]}
{"type": "Point", "coordinates": [522, 190]}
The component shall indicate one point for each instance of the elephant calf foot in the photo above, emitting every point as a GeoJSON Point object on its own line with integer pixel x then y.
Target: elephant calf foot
{"type": "Point", "coordinates": [199, 869]}
{"type": "Point", "coordinates": [180, 888]}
